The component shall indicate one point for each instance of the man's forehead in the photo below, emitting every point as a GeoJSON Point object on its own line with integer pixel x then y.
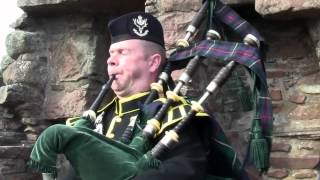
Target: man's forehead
{"type": "Point", "coordinates": [127, 44]}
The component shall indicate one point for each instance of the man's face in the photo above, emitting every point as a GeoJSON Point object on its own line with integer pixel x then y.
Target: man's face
{"type": "Point", "coordinates": [129, 64]}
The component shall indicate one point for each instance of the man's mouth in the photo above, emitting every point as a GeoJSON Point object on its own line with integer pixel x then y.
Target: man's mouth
{"type": "Point", "coordinates": [116, 76]}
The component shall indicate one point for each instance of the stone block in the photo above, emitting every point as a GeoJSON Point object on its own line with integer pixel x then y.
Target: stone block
{"type": "Point", "coordinates": [281, 147]}
{"type": "Point", "coordinates": [238, 2]}
{"type": "Point", "coordinates": [174, 26]}
{"type": "Point", "coordinates": [298, 146]}
{"type": "Point", "coordinates": [10, 125]}
{"type": "Point", "coordinates": [6, 112]}
{"type": "Point", "coordinates": [82, 6]}
{"type": "Point", "coordinates": [31, 121]}
{"type": "Point", "coordinates": [20, 42]}
{"type": "Point", "coordinates": [276, 94]}
{"type": "Point", "coordinates": [151, 8]}
{"type": "Point", "coordinates": [312, 79]}
{"type": "Point", "coordinates": [15, 152]}
{"type": "Point", "coordinates": [304, 174]}
{"type": "Point", "coordinates": [307, 146]}
{"type": "Point", "coordinates": [279, 161]}
{"type": "Point", "coordinates": [306, 129]}
{"type": "Point", "coordinates": [21, 176]}
{"type": "Point", "coordinates": [61, 105]}
{"type": "Point", "coordinates": [277, 106]}
{"type": "Point", "coordinates": [278, 173]}
{"type": "Point", "coordinates": [310, 67]}
{"type": "Point", "coordinates": [28, 72]}
{"type": "Point", "coordinates": [19, 93]}
{"type": "Point", "coordinates": [286, 9]}
{"type": "Point", "coordinates": [78, 54]}
{"type": "Point", "coordinates": [11, 138]}
{"type": "Point", "coordinates": [297, 98]}
{"type": "Point", "coordinates": [31, 137]}
{"type": "Point", "coordinates": [276, 73]}
{"type": "Point", "coordinates": [310, 88]}
{"type": "Point", "coordinates": [179, 5]}
{"type": "Point", "coordinates": [5, 62]}
{"type": "Point", "coordinates": [10, 166]}
{"type": "Point", "coordinates": [308, 111]}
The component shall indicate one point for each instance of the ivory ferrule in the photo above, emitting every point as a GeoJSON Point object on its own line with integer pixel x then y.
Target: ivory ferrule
{"type": "Point", "coordinates": [182, 43]}
{"type": "Point", "coordinates": [196, 106]}
{"type": "Point", "coordinates": [212, 86]}
{"type": "Point", "coordinates": [90, 115]}
{"type": "Point", "coordinates": [191, 29]}
{"type": "Point", "coordinates": [213, 34]}
{"type": "Point", "coordinates": [173, 96]}
{"type": "Point", "coordinates": [164, 76]}
{"type": "Point", "coordinates": [184, 77]}
{"type": "Point", "coordinates": [178, 87]}
{"type": "Point", "coordinates": [251, 40]}
{"type": "Point", "coordinates": [157, 87]}
{"type": "Point", "coordinates": [170, 139]}
{"type": "Point", "coordinates": [152, 127]}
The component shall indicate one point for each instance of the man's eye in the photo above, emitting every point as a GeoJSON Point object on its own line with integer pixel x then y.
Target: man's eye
{"type": "Point", "coordinates": [124, 52]}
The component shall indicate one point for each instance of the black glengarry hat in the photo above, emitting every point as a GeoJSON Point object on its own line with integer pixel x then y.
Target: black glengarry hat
{"type": "Point", "coordinates": [136, 25]}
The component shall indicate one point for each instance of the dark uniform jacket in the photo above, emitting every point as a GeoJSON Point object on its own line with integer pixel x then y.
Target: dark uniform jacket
{"type": "Point", "coordinates": [186, 161]}
{"type": "Point", "coordinates": [201, 149]}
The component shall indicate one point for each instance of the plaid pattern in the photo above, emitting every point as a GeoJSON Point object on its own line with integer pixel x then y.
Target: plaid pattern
{"type": "Point", "coordinates": [228, 16]}
{"type": "Point", "coordinates": [243, 54]}
{"type": "Point", "coordinates": [223, 159]}
{"type": "Point", "coordinates": [225, 51]}
{"type": "Point", "coordinates": [221, 50]}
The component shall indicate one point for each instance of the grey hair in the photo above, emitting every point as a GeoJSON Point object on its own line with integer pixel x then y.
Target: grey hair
{"type": "Point", "coordinates": [154, 48]}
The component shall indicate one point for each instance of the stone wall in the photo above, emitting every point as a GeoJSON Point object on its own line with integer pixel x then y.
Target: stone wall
{"type": "Point", "coordinates": [56, 64]}
{"type": "Point", "coordinates": [291, 29]}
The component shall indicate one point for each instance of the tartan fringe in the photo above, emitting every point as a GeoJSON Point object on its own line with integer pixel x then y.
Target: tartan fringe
{"type": "Point", "coordinates": [36, 166]}
{"type": "Point", "coordinates": [259, 154]}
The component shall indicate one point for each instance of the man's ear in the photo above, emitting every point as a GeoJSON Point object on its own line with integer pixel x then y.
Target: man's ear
{"type": "Point", "coordinates": [154, 62]}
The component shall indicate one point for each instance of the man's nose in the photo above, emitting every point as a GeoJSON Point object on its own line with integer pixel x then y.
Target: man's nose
{"type": "Point", "coordinates": [111, 61]}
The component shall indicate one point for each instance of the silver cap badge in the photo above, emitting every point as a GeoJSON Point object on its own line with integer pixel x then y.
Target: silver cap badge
{"type": "Point", "coordinates": [141, 24]}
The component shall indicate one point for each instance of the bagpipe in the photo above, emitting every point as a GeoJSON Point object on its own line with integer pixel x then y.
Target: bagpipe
{"type": "Point", "coordinates": [126, 160]}
{"type": "Point", "coordinates": [249, 54]}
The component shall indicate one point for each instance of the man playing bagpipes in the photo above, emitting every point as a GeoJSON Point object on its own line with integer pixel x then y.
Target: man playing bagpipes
{"type": "Point", "coordinates": [116, 143]}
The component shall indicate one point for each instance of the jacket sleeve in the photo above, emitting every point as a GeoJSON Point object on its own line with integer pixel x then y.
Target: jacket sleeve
{"type": "Point", "coordinates": [187, 160]}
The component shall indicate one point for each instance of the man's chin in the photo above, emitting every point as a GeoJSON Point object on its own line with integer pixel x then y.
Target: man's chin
{"type": "Point", "coordinates": [119, 93]}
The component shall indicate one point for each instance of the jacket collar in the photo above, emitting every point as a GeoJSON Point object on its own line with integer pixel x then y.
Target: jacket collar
{"type": "Point", "coordinates": [130, 104]}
